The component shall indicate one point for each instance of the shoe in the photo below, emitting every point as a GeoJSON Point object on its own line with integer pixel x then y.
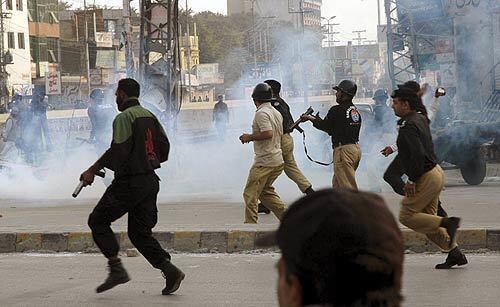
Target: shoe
{"type": "Point", "coordinates": [455, 257]}
{"type": "Point", "coordinates": [451, 224]}
{"type": "Point", "coordinates": [173, 277]}
{"type": "Point", "coordinates": [117, 275]}
{"type": "Point", "coordinates": [309, 190]}
{"type": "Point", "coordinates": [263, 209]}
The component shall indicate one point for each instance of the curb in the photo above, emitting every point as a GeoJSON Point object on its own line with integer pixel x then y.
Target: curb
{"type": "Point", "coordinates": [212, 241]}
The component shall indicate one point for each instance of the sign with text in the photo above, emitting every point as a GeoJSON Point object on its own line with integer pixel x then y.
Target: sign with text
{"type": "Point", "coordinates": [53, 83]}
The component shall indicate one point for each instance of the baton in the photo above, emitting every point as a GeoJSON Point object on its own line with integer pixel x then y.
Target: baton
{"type": "Point", "coordinates": [295, 125]}
{"type": "Point", "coordinates": [79, 187]}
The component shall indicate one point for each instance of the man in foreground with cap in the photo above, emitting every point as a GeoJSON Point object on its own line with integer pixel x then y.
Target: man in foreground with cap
{"type": "Point", "coordinates": [426, 179]}
{"type": "Point", "coordinates": [291, 169]}
{"type": "Point", "coordinates": [338, 248]}
{"type": "Point", "coordinates": [267, 130]}
{"type": "Point", "coordinates": [343, 123]}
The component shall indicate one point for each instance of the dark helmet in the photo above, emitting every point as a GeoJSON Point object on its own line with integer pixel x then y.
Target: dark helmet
{"type": "Point", "coordinates": [348, 87]}
{"type": "Point", "coordinates": [97, 94]}
{"type": "Point", "coordinates": [220, 96]}
{"type": "Point", "coordinates": [412, 85]}
{"type": "Point", "coordinates": [263, 92]}
{"type": "Point", "coordinates": [275, 85]}
{"type": "Point", "coordinates": [380, 93]}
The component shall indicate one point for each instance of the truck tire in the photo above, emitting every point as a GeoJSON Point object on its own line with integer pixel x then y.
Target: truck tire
{"type": "Point", "coordinates": [474, 171]}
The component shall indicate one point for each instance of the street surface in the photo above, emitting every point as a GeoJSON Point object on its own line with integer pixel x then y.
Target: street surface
{"type": "Point", "coordinates": [221, 280]}
{"type": "Point", "coordinates": [479, 206]}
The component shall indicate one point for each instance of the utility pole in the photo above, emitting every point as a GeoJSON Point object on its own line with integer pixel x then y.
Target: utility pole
{"type": "Point", "coordinates": [86, 37]}
{"type": "Point", "coordinates": [127, 35]}
{"type": "Point", "coordinates": [3, 60]}
{"type": "Point", "coordinates": [359, 38]}
{"type": "Point", "coordinates": [331, 42]}
{"type": "Point", "coordinates": [254, 40]}
{"type": "Point", "coordinates": [188, 52]}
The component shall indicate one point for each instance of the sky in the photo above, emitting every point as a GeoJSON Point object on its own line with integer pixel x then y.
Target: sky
{"type": "Point", "coordinates": [352, 15]}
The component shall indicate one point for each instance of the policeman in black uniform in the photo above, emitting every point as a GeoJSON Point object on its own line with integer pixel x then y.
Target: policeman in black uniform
{"type": "Point", "coordinates": [381, 110]}
{"type": "Point", "coordinates": [291, 169]}
{"type": "Point", "coordinates": [426, 179]}
{"type": "Point", "coordinates": [138, 148]}
{"type": "Point", "coordinates": [395, 170]}
{"type": "Point", "coordinates": [343, 123]}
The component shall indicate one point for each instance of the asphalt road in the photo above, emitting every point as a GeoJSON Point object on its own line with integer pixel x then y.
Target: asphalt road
{"type": "Point", "coordinates": [221, 280]}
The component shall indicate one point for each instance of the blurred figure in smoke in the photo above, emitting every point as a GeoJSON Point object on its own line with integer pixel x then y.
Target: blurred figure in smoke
{"type": "Point", "coordinates": [11, 135]}
{"type": "Point", "coordinates": [220, 117]}
{"type": "Point", "coordinates": [382, 111]}
{"type": "Point", "coordinates": [291, 169]}
{"type": "Point", "coordinates": [138, 148]}
{"type": "Point", "coordinates": [267, 131]}
{"type": "Point", "coordinates": [101, 116]}
{"type": "Point", "coordinates": [426, 179]}
{"type": "Point", "coordinates": [39, 105]}
{"type": "Point", "coordinates": [343, 124]}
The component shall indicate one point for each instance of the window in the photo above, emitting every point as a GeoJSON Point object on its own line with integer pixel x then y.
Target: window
{"type": "Point", "coordinates": [10, 40]}
{"type": "Point", "coordinates": [20, 40]}
{"type": "Point", "coordinates": [8, 5]}
{"type": "Point", "coordinates": [19, 5]}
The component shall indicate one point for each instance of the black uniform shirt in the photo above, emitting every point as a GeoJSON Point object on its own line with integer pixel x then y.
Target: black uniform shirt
{"type": "Point", "coordinates": [343, 123]}
{"type": "Point", "coordinates": [221, 112]}
{"type": "Point", "coordinates": [415, 147]}
{"type": "Point", "coordinates": [284, 110]}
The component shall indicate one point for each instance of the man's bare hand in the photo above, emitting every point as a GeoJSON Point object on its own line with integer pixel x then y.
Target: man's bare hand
{"type": "Point", "coordinates": [87, 177]}
{"type": "Point", "coordinates": [305, 117]}
{"type": "Point", "coordinates": [410, 189]}
{"type": "Point", "coordinates": [387, 151]}
{"type": "Point", "coordinates": [245, 138]}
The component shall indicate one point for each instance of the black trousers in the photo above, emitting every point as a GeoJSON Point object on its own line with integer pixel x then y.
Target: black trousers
{"type": "Point", "coordinates": [393, 176]}
{"type": "Point", "coordinates": [136, 196]}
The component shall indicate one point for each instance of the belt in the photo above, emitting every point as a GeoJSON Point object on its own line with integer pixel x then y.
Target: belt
{"type": "Point", "coordinates": [338, 144]}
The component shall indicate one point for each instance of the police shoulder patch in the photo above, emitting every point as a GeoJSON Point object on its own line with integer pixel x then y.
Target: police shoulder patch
{"type": "Point", "coordinates": [354, 115]}
{"type": "Point", "coordinates": [276, 103]}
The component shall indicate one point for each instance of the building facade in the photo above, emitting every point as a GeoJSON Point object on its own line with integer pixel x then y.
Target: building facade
{"type": "Point", "coordinates": [43, 37]}
{"type": "Point", "coordinates": [17, 43]}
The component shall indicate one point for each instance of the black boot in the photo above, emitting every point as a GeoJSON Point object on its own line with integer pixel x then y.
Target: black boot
{"type": "Point", "coordinates": [173, 277]}
{"type": "Point", "coordinates": [309, 190]}
{"type": "Point", "coordinates": [263, 209]}
{"type": "Point", "coordinates": [441, 212]}
{"type": "Point", "coordinates": [117, 275]}
{"type": "Point", "coordinates": [455, 257]}
{"type": "Point", "coordinates": [451, 225]}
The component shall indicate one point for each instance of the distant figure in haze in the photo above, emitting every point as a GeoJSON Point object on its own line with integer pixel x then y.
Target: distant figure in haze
{"type": "Point", "coordinates": [382, 112]}
{"type": "Point", "coordinates": [338, 248]}
{"type": "Point", "coordinates": [101, 115]}
{"type": "Point", "coordinates": [39, 105]}
{"type": "Point", "coordinates": [220, 116]}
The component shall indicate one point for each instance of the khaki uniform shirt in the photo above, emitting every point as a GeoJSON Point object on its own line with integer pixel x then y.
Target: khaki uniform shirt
{"type": "Point", "coordinates": [268, 152]}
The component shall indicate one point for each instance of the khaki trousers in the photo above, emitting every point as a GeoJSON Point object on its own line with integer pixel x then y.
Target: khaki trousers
{"type": "Point", "coordinates": [345, 163]}
{"type": "Point", "coordinates": [259, 186]}
{"type": "Point", "coordinates": [419, 212]}
{"type": "Point", "coordinates": [291, 169]}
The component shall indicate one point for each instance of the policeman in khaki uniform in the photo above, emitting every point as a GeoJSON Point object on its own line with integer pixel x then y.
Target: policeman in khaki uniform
{"type": "Point", "coordinates": [291, 169]}
{"type": "Point", "coordinates": [267, 131]}
{"type": "Point", "coordinates": [426, 179]}
{"type": "Point", "coordinates": [343, 123]}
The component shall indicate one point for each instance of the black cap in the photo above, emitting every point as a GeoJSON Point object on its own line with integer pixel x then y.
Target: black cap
{"type": "Point", "coordinates": [412, 85]}
{"type": "Point", "coordinates": [380, 93]}
{"type": "Point", "coordinates": [275, 85]}
{"type": "Point", "coordinates": [348, 237]}
{"type": "Point", "coordinates": [263, 92]}
{"type": "Point", "coordinates": [348, 87]}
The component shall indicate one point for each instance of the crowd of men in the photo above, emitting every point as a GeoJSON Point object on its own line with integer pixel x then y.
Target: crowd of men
{"type": "Point", "coordinates": [340, 246]}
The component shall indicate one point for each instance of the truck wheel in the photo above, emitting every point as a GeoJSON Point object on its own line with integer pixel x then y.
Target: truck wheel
{"type": "Point", "coordinates": [474, 171]}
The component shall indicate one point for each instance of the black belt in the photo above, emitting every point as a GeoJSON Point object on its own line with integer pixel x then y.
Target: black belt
{"type": "Point", "coordinates": [338, 144]}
